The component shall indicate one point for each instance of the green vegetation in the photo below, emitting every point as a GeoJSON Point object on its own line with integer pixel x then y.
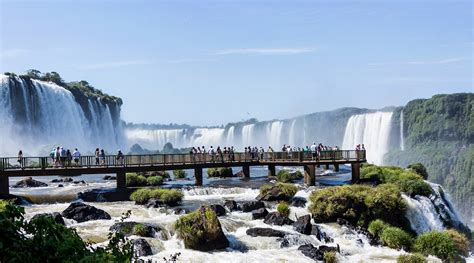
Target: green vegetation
{"type": "Point", "coordinates": [134, 179]}
{"type": "Point", "coordinates": [287, 190]}
{"type": "Point", "coordinates": [359, 204]}
{"type": "Point", "coordinates": [407, 180]}
{"type": "Point", "coordinates": [220, 172]}
{"type": "Point", "coordinates": [330, 257]}
{"type": "Point", "coordinates": [411, 258]}
{"type": "Point", "coordinates": [179, 174]}
{"type": "Point", "coordinates": [283, 209]}
{"type": "Point", "coordinates": [139, 230]}
{"type": "Point", "coordinates": [460, 241]}
{"type": "Point", "coordinates": [420, 169]}
{"type": "Point", "coordinates": [376, 227]}
{"type": "Point", "coordinates": [169, 197]}
{"type": "Point", "coordinates": [285, 176]}
{"type": "Point", "coordinates": [43, 240]}
{"type": "Point", "coordinates": [436, 243]}
{"type": "Point", "coordinates": [396, 238]}
{"type": "Point", "coordinates": [154, 180]}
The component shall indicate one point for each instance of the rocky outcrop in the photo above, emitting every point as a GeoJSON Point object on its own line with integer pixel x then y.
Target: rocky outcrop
{"type": "Point", "coordinates": [275, 193]}
{"type": "Point", "coordinates": [251, 205]}
{"type": "Point", "coordinates": [264, 232]}
{"type": "Point", "coordinates": [82, 212]}
{"type": "Point", "coordinates": [303, 225]}
{"type": "Point", "coordinates": [55, 216]}
{"type": "Point", "coordinates": [220, 172]}
{"type": "Point", "coordinates": [134, 228]}
{"type": "Point", "coordinates": [218, 209]}
{"type": "Point", "coordinates": [320, 234]}
{"type": "Point", "coordinates": [141, 248]}
{"type": "Point", "coordinates": [106, 195]}
{"type": "Point", "coordinates": [298, 202]}
{"type": "Point", "coordinates": [231, 205]}
{"type": "Point", "coordinates": [275, 218]}
{"type": "Point", "coordinates": [29, 182]}
{"type": "Point", "coordinates": [63, 180]}
{"type": "Point", "coordinates": [316, 253]}
{"type": "Point", "coordinates": [259, 213]}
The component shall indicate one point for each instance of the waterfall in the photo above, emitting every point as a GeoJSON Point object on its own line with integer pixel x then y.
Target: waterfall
{"type": "Point", "coordinates": [402, 130]}
{"type": "Point", "coordinates": [230, 135]}
{"type": "Point", "coordinates": [247, 134]}
{"type": "Point", "coordinates": [36, 116]}
{"type": "Point", "coordinates": [372, 130]}
{"type": "Point", "coordinates": [274, 133]}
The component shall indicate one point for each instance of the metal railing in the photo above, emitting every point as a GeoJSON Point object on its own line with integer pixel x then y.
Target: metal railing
{"type": "Point", "coordinates": [15, 163]}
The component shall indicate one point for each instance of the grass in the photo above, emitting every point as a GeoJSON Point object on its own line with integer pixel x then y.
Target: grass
{"type": "Point", "coordinates": [139, 230]}
{"type": "Point", "coordinates": [376, 227]}
{"type": "Point", "coordinates": [154, 180]}
{"type": "Point", "coordinates": [330, 257]}
{"type": "Point", "coordinates": [288, 190]}
{"type": "Point", "coordinates": [283, 209]}
{"type": "Point", "coordinates": [166, 196]}
{"type": "Point", "coordinates": [193, 228]}
{"type": "Point", "coordinates": [436, 243]}
{"type": "Point", "coordinates": [460, 241]}
{"type": "Point", "coordinates": [220, 172]}
{"type": "Point", "coordinates": [134, 179]}
{"type": "Point", "coordinates": [396, 238]}
{"type": "Point", "coordinates": [179, 174]}
{"type": "Point", "coordinates": [284, 176]}
{"type": "Point", "coordinates": [411, 258]}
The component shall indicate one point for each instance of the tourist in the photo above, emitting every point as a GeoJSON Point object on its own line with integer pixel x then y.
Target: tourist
{"type": "Point", "coordinates": [63, 156]}
{"type": "Point", "coordinates": [57, 156]}
{"type": "Point", "coordinates": [102, 157]}
{"type": "Point", "coordinates": [270, 151]}
{"type": "Point", "coordinates": [20, 159]}
{"type": "Point", "coordinates": [313, 151]}
{"type": "Point", "coordinates": [232, 156]}
{"type": "Point", "coordinates": [262, 152]}
{"type": "Point", "coordinates": [289, 152]}
{"type": "Point", "coordinates": [51, 154]}
{"type": "Point", "coordinates": [68, 157]}
{"type": "Point", "coordinates": [219, 152]}
{"type": "Point", "coordinates": [76, 155]}
{"type": "Point", "coordinates": [211, 153]}
{"type": "Point", "coordinates": [97, 156]}
{"type": "Point", "coordinates": [120, 157]}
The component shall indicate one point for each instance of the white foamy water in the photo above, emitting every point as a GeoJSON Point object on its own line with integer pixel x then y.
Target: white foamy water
{"type": "Point", "coordinates": [402, 132]}
{"type": "Point", "coordinates": [422, 214]}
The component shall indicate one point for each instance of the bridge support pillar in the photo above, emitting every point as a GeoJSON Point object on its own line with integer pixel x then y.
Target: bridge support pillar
{"type": "Point", "coordinates": [198, 176]}
{"type": "Point", "coordinates": [309, 174]}
{"type": "Point", "coordinates": [326, 166]}
{"type": "Point", "coordinates": [4, 190]}
{"type": "Point", "coordinates": [246, 171]}
{"type": "Point", "coordinates": [355, 172]}
{"type": "Point", "coordinates": [121, 180]}
{"type": "Point", "coordinates": [271, 170]}
{"type": "Point", "coordinates": [336, 167]}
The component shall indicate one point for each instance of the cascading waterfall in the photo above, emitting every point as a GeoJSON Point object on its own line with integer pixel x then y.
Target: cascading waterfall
{"type": "Point", "coordinates": [372, 130]}
{"type": "Point", "coordinates": [247, 134]}
{"type": "Point", "coordinates": [36, 116]}
{"type": "Point", "coordinates": [402, 131]}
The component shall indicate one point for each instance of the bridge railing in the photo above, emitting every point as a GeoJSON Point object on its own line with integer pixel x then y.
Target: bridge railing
{"type": "Point", "coordinates": [12, 163]}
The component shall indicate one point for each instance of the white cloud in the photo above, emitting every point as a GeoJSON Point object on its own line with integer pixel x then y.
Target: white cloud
{"type": "Point", "coordinates": [191, 60]}
{"type": "Point", "coordinates": [115, 64]}
{"type": "Point", "coordinates": [420, 62]}
{"type": "Point", "coordinates": [265, 51]}
{"type": "Point", "coordinates": [14, 53]}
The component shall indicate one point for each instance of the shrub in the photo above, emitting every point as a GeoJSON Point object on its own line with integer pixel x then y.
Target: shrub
{"type": "Point", "coordinates": [460, 241]}
{"type": "Point", "coordinates": [220, 172]}
{"type": "Point", "coordinates": [419, 169]}
{"type": "Point", "coordinates": [396, 238]}
{"type": "Point", "coordinates": [166, 196]}
{"type": "Point", "coordinates": [286, 176]}
{"type": "Point", "coordinates": [436, 243]}
{"type": "Point", "coordinates": [287, 190]}
{"type": "Point", "coordinates": [376, 227]}
{"type": "Point", "coordinates": [134, 179]}
{"type": "Point", "coordinates": [411, 258]}
{"type": "Point", "coordinates": [139, 230]}
{"type": "Point", "coordinates": [154, 180]}
{"type": "Point", "coordinates": [330, 257]}
{"type": "Point", "coordinates": [283, 209]}
{"type": "Point", "coordinates": [141, 196]}
{"type": "Point", "coordinates": [179, 174]}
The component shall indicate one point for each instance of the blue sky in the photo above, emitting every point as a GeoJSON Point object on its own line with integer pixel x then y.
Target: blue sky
{"type": "Point", "coordinates": [213, 62]}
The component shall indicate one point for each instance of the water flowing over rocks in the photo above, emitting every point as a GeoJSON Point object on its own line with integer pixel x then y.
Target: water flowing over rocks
{"type": "Point", "coordinates": [141, 247]}
{"type": "Point", "coordinates": [317, 253]}
{"type": "Point", "coordinates": [275, 218]}
{"type": "Point", "coordinates": [251, 205]}
{"type": "Point", "coordinates": [63, 180]}
{"type": "Point", "coordinates": [303, 225]}
{"type": "Point", "coordinates": [106, 195]}
{"type": "Point", "coordinates": [218, 209]}
{"type": "Point", "coordinates": [265, 232]}
{"type": "Point", "coordinates": [298, 201]}
{"type": "Point", "coordinates": [231, 205]}
{"type": "Point", "coordinates": [55, 216]}
{"type": "Point", "coordinates": [109, 178]}
{"type": "Point", "coordinates": [274, 194]}
{"type": "Point", "coordinates": [83, 212]}
{"type": "Point", "coordinates": [135, 228]}
{"type": "Point", "coordinates": [29, 182]}
{"type": "Point", "coordinates": [259, 213]}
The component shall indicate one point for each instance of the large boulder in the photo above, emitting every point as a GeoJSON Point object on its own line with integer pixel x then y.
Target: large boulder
{"type": "Point", "coordinates": [83, 212]}
{"type": "Point", "coordinates": [259, 213]}
{"type": "Point", "coordinates": [29, 182]}
{"type": "Point", "coordinates": [134, 228]}
{"type": "Point", "coordinates": [303, 225]}
{"type": "Point", "coordinates": [106, 195]}
{"type": "Point", "coordinates": [320, 234]}
{"type": "Point", "coordinates": [275, 218]}
{"type": "Point", "coordinates": [220, 172]}
{"type": "Point", "coordinates": [316, 253]}
{"type": "Point", "coordinates": [278, 192]}
{"type": "Point", "coordinates": [55, 216]}
{"type": "Point", "coordinates": [220, 210]}
{"type": "Point", "coordinates": [231, 205]}
{"type": "Point", "coordinates": [264, 232]}
{"type": "Point", "coordinates": [201, 230]}
{"type": "Point", "coordinates": [141, 248]}
{"type": "Point", "coordinates": [251, 205]}
{"type": "Point", "coordinates": [298, 202]}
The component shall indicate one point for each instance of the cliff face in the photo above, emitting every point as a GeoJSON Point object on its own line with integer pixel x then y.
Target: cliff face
{"type": "Point", "coordinates": [439, 132]}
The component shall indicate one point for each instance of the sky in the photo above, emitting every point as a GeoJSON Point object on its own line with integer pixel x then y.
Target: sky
{"type": "Point", "coordinates": [214, 62]}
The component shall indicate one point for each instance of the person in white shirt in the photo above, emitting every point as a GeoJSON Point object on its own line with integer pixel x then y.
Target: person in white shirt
{"type": "Point", "coordinates": [76, 155]}
{"type": "Point", "coordinates": [313, 150]}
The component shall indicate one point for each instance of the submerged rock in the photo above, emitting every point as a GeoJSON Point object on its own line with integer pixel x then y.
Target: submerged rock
{"type": "Point", "coordinates": [106, 195]}
{"type": "Point", "coordinates": [62, 180]}
{"type": "Point", "coordinates": [220, 210]}
{"type": "Point", "coordinates": [135, 228]}
{"type": "Point", "coordinates": [141, 248]}
{"type": "Point", "coordinates": [29, 182]}
{"type": "Point", "coordinates": [109, 178]}
{"type": "Point", "coordinates": [275, 218]}
{"type": "Point", "coordinates": [251, 205]}
{"type": "Point", "coordinates": [231, 205]}
{"type": "Point", "coordinates": [259, 213]}
{"type": "Point", "coordinates": [303, 225]}
{"type": "Point", "coordinates": [264, 232]}
{"type": "Point", "coordinates": [82, 212]}
{"type": "Point", "coordinates": [55, 216]}
{"type": "Point", "coordinates": [320, 235]}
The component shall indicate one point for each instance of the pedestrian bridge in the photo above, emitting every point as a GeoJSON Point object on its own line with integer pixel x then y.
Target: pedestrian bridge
{"type": "Point", "coordinates": [45, 166]}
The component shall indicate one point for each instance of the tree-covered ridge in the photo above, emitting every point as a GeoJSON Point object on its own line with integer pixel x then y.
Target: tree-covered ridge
{"type": "Point", "coordinates": [78, 88]}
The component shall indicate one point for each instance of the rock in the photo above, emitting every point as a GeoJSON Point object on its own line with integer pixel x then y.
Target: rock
{"type": "Point", "coordinates": [56, 180]}
{"type": "Point", "coordinates": [220, 172]}
{"type": "Point", "coordinates": [141, 248]}
{"type": "Point", "coordinates": [320, 235]}
{"type": "Point", "coordinates": [17, 200]}
{"type": "Point", "coordinates": [251, 205]}
{"type": "Point", "coordinates": [180, 211]}
{"type": "Point", "coordinates": [220, 210]}
{"type": "Point", "coordinates": [264, 232]}
{"type": "Point", "coordinates": [275, 218]}
{"type": "Point", "coordinates": [63, 180]}
{"type": "Point", "coordinates": [298, 202]}
{"type": "Point", "coordinates": [79, 182]}
{"type": "Point", "coordinates": [29, 182]}
{"type": "Point", "coordinates": [82, 212]}
{"type": "Point", "coordinates": [106, 195]}
{"type": "Point", "coordinates": [55, 216]}
{"type": "Point", "coordinates": [303, 225]}
{"type": "Point", "coordinates": [259, 213]}
{"type": "Point", "coordinates": [201, 230]}
{"type": "Point", "coordinates": [231, 205]}
{"type": "Point", "coordinates": [109, 178]}
{"type": "Point", "coordinates": [134, 228]}
{"type": "Point", "coordinates": [343, 222]}
{"type": "Point", "coordinates": [316, 253]}
{"type": "Point", "coordinates": [240, 174]}
{"type": "Point", "coordinates": [60, 185]}
{"type": "Point", "coordinates": [273, 194]}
